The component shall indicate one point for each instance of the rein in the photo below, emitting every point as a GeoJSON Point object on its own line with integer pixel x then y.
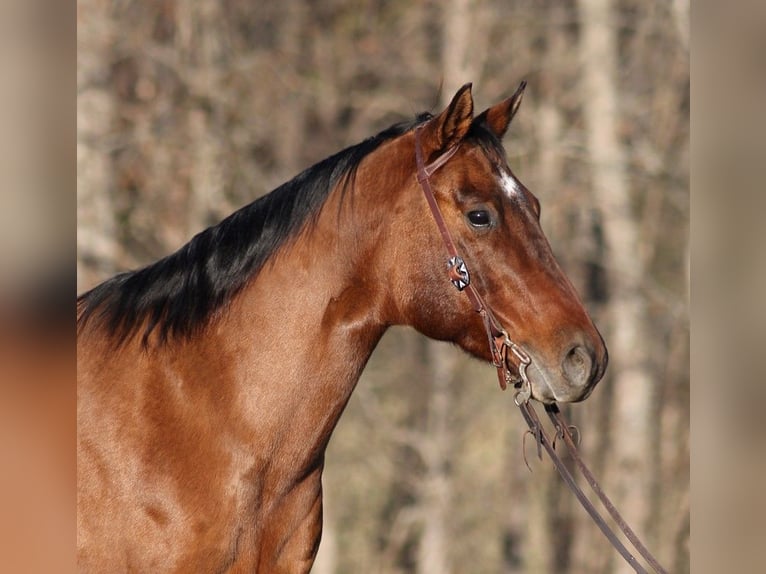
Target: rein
{"type": "Point", "coordinates": [499, 344]}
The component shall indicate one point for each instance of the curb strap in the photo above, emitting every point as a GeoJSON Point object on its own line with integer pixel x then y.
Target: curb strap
{"type": "Point", "coordinates": [457, 270]}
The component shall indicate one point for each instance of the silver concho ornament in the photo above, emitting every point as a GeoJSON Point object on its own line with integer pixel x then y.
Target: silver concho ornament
{"type": "Point", "coordinates": [458, 273]}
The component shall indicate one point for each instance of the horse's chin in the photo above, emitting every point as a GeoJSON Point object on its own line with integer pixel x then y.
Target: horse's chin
{"type": "Point", "coordinates": [542, 393]}
{"type": "Point", "coordinates": [549, 388]}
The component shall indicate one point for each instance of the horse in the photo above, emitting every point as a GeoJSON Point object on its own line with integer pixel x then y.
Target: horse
{"type": "Point", "coordinates": [210, 382]}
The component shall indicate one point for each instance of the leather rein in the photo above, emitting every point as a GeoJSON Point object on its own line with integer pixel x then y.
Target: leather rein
{"type": "Point", "coordinates": [500, 344]}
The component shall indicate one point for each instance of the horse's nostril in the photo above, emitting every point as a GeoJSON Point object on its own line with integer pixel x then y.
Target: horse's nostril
{"type": "Point", "coordinates": [577, 365]}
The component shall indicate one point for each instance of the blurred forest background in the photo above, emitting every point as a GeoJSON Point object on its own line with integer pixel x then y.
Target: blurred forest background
{"type": "Point", "coordinates": [189, 109]}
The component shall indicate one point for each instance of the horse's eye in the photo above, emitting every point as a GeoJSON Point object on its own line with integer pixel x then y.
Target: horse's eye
{"type": "Point", "coordinates": [479, 218]}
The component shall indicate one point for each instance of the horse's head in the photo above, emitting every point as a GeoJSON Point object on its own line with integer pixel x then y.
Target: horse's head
{"type": "Point", "coordinates": [495, 224]}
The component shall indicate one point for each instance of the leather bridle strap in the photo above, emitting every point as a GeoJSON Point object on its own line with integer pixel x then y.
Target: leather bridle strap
{"type": "Point", "coordinates": [563, 430]}
{"type": "Point", "coordinates": [499, 341]}
{"type": "Point", "coordinates": [499, 344]}
{"type": "Point", "coordinates": [536, 428]}
{"type": "Point", "coordinates": [456, 274]}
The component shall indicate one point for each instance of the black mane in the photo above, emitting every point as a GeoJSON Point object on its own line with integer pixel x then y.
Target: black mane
{"type": "Point", "coordinates": [178, 294]}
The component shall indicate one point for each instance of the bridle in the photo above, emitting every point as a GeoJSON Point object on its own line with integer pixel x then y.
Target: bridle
{"type": "Point", "coordinates": [499, 344]}
{"type": "Point", "coordinates": [499, 341]}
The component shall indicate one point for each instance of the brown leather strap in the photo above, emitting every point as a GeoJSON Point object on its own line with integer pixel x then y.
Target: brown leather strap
{"type": "Point", "coordinates": [498, 339]}
{"type": "Point", "coordinates": [499, 344]}
{"type": "Point", "coordinates": [424, 173]}
{"type": "Point", "coordinates": [563, 431]}
{"type": "Point", "coordinates": [536, 427]}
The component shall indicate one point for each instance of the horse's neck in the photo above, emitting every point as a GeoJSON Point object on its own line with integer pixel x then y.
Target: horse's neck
{"type": "Point", "coordinates": [298, 338]}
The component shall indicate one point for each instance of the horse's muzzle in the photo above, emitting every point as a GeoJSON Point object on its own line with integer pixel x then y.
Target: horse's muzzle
{"type": "Point", "coordinates": [574, 376]}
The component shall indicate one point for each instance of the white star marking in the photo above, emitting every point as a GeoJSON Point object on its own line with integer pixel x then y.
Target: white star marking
{"type": "Point", "coordinates": [511, 187]}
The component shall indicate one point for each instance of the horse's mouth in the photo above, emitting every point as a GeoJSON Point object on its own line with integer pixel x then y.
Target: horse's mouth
{"type": "Point", "coordinates": [547, 391]}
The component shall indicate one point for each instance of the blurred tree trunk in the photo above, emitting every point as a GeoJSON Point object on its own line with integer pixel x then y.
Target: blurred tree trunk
{"type": "Point", "coordinates": [201, 45]}
{"type": "Point", "coordinates": [436, 491]}
{"type": "Point", "coordinates": [327, 557]}
{"type": "Point", "coordinates": [96, 243]}
{"type": "Point", "coordinates": [457, 68]}
{"type": "Point", "coordinates": [433, 556]}
{"type": "Point", "coordinates": [544, 513]}
{"type": "Point", "coordinates": [627, 467]}
{"type": "Point", "coordinates": [290, 110]}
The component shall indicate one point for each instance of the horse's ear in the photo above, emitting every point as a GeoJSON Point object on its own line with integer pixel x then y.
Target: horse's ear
{"type": "Point", "coordinates": [498, 117]}
{"type": "Point", "coordinates": [450, 126]}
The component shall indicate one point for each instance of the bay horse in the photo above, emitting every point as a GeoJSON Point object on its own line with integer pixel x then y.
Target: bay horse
{"type": "Point", "coordinates": [209, 382]}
